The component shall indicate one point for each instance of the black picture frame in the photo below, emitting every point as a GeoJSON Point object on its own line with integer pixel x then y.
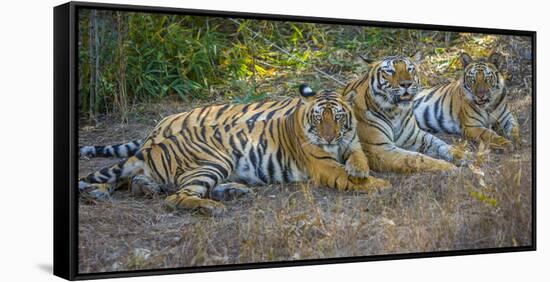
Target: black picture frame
{"type": "Point", "coordinates": [66, 139]}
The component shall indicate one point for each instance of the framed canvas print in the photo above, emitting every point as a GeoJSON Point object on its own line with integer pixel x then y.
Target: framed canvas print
{"type": "Point", "coordinates": [192, 140]}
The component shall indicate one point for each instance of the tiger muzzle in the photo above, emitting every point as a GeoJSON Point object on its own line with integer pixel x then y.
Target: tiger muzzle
{"type": "Point", "coordinates": [328, 127]}
{"type": "Point", "coordinates": [481, 96]}
{"type": "Point", "coordinates": [408, 95]}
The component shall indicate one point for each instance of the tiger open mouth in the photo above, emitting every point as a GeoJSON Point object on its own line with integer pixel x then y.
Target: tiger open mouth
{"type": "Point", "coordinates": [405, 98]}
{"type": "Point", "coordinates": [481, 102]}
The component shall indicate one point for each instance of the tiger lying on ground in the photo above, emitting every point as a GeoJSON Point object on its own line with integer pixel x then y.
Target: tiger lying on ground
{"type": "Point", "coordinates": [311, 137]}
{"type": "Point", "coordinates": [382, 102]}
{"type": "Point", "coordinates": [470, 106]}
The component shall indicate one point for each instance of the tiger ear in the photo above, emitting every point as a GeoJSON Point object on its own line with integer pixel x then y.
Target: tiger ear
{"type": "Point", "coordinates": [306, 92]}
{"type": "Point", "coordinates": [350, 97]}
{"type": "Point", "coordinates": [465, 59]}
{"type": "Point", "coordinates": [496, 59]}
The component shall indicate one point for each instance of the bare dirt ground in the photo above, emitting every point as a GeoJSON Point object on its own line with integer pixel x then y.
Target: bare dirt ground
{"type": "Point", "coordinates": [422, 212]}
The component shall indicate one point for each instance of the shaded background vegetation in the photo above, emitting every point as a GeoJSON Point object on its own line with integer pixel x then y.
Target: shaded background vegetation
{"type": "Point", "coordinates": [131, 58]}
{"type": "Point", "coordinates": [136, 69]}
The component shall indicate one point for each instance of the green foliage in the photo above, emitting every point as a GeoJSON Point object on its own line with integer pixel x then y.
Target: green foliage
{"type": "Point", "coordinates": [249, 93]}
{"type": "Point", "coordinates": [148, 57]}
{"type": "Point", "coordinates": [184, 56]}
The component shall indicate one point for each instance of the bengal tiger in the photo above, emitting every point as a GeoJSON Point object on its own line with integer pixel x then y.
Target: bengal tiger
{"type": "Point", "coordinates": [382, 103]}
{"type": "Point", "coordinates": [471, 106]}
{"type": "Point", "coordinates": [311, 137]}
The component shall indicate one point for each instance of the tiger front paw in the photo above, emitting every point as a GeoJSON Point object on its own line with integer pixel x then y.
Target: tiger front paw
{"type": "Point", "coordinates": [371, 184]}
{"type": "Point", "coordinates": [357, 166]}
{"type": "Point", "coordinates": [502, 144]}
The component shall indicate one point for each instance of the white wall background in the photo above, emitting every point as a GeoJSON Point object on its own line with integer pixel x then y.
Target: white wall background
{"type": "Point", "coordinates": [26, 126]}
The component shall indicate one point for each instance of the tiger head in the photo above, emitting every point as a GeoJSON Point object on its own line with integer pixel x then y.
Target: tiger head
{"type": "Point", "coordinates": [394, 82]}
{"type": "Point", "coordinates": [481, 80]}
{"type": "Point", "coordinates": [327, 118]}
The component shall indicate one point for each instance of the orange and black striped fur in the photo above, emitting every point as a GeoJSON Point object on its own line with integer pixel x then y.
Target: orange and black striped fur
{"type": "Point", "coordinates": [382, 102]}
{"type": "Point", "coordinates": [311, 137]}
{"type": "Point", "coordinates": [474, 106]}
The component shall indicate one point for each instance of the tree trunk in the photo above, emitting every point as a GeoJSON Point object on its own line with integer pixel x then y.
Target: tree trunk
{"type": "Point", "coordinates": [93, 45]}
{"type": "Point", "coordinates": [122, 97]}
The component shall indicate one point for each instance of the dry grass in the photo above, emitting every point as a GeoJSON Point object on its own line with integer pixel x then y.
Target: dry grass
{"type": "Point", "coordinates": [421, 213]}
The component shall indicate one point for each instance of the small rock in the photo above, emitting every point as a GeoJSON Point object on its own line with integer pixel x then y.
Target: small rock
{"type": "Point", "coordinates": [142, 253]}
{"type": "Point", "coordinates": [116, 266]}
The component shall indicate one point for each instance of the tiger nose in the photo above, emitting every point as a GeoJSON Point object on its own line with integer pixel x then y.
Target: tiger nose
{"type": "Point", "coordinates": [482, 92]}
{"type": "Point", "coordinates": [405, 84]}
{"type": "Point", "coordinates": [328, 133]}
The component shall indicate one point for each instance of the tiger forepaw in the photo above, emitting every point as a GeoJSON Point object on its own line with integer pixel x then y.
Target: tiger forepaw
{"type": "Point", "coordinates": [372, 184]}
{"type": "Point", "coordinates": [357, 166]}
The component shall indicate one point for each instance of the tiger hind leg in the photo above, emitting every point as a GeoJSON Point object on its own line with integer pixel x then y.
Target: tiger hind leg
{"type": "Point", "coordinates": [143, 185]}
{"type": "Point", "coordinates": [194, 186]}
{"type": "Point", "coordinates": [97, 191]}
{"type": "Point", "coordinates": [230, 191]}
{"type": "Point", "coordinates": [100, 184]}
{"type": "Point", "coordinates": [187, 199]}
{"type": "Point", "coordinates": [101, 191]}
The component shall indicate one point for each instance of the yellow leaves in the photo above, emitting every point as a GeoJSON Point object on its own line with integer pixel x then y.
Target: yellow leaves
{"type": "Point", "coordinates": [480, 196]}
{"type": "Point", "coordinates": [243, 25]}
{"type": "Point", "coordinates": [259, 70]}
{"type": "Point", "coordinates": [296, 30]}
{"type": "Point", "coordinates": [317, 42]}
{"type": "Point", "coordinates": [262, 72]}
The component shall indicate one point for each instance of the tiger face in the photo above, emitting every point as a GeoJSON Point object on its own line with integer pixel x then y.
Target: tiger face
{"type": "Point", "coordinates": [328, 118]}
{"type": "Point", "coordinates": [481, 81]}
{"type": "Point", "coordinates": [394, 82]}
